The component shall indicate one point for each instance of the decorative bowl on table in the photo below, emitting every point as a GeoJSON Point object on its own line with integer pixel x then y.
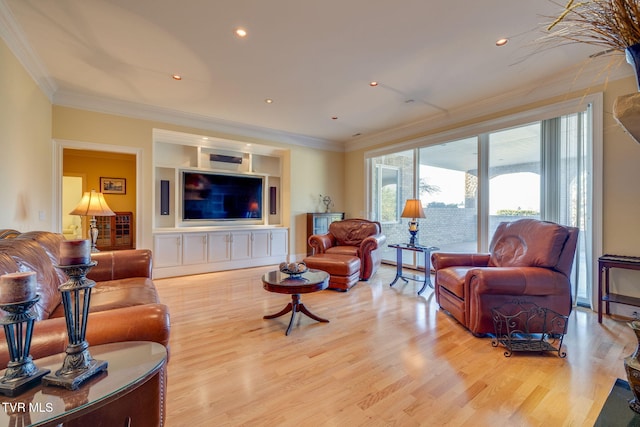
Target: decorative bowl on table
{"type": "Point", "coordinates": [293, 269]}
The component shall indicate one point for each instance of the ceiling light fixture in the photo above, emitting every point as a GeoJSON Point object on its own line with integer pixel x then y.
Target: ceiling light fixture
{"type": "Point", "coordinates": [502, 42]}
{"type": "Point", "coordinates": [269, 101]}
{"type": "Point", "coordinates": [240, 32]}
{"type": "Point", "coordinates": [334, 118]}
{"type": "Point", "coordinates": [176, 77]}
{"type": "Point", "coordinates": [373, 84]}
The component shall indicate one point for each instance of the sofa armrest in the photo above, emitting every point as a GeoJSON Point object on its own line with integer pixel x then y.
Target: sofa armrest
{"type": "Point", "coordinates": [321, 242]}
{"type": "Point", "coordinates": [114, 265]}
{"type": "Point", "coordinates": [372, 243]}
{"type": "Point", "coordinates": [516, 281]}
{"type": "Point", "coordinates": [441, 260]}
{"type": "Point", "coordinates": [148, 322]}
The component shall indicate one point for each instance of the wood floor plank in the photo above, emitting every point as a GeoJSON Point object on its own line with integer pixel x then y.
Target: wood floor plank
{"type": "Point", "coordinates": [387, 357]}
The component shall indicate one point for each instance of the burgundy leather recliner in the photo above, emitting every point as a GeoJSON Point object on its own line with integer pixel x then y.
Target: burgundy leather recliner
{"type": "Point", "coordinates": [354, 237]}
{"type": "Point", "coordinates": [529, 261]}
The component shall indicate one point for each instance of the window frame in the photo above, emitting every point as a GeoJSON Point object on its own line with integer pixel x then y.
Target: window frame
{"type": "Point", "coordinates": [512, 120]}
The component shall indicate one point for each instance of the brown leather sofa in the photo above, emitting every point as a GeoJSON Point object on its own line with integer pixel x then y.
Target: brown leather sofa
{"type": "Point", "coordinates": [529, 261]}
{"type": "Point", "coordinates": [353, 237]}
{"type": "Point", "coordinates": [124, 307]}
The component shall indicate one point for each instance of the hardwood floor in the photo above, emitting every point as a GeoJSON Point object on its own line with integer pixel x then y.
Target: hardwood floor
{"type": "Point", "coordinates": [387, 358]}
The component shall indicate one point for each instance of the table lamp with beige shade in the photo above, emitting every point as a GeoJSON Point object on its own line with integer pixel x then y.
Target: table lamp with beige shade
{"type": "Point", "coordinates": [413, 209]}
{"type": "Point", "coordinates": [92, 204]}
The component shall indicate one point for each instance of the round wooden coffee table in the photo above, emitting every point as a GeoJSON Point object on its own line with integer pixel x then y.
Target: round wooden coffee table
{"type": "Point", "coordinates": [311, 281]}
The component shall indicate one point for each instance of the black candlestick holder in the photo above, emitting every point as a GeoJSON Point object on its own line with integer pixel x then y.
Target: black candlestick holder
{"type": "Point", "coordinates": [78, 365]}
{"type": "Point", "coordinates": [21, 373]}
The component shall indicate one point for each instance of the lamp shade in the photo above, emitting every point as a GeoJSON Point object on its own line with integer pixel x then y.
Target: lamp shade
{"type": "Point", "coordinates": [413, 209]}
{"type": "Point", "coordinates": [92, 204]}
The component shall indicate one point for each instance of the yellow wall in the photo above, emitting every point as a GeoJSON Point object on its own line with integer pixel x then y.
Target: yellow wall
{"type": "Point", "coordinates": [25, 147]}
{"type": "Point", "coordinates": [96, 164]}
{"type": "Point", "coordinates": [92, 165]}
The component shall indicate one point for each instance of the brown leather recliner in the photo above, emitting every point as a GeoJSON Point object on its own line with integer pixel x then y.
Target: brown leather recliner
{"type": "Point", "coordinates": [354, 237]}
{"type": "Point", "coordinates": [529, 261]}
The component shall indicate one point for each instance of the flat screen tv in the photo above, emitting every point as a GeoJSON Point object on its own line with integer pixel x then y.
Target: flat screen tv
{"type": "Point", "coordinates": [208, 196]}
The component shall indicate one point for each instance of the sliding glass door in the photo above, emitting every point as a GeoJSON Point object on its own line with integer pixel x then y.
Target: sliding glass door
{"type": "Point", "coordinates": [448, 189]}
{"type": "Point", "coordinates": [468, 186]}
{"type": "Point", "coordinates": [392, 182]}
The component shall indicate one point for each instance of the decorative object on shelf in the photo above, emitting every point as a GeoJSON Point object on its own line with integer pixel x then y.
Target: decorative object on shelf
{"type": "Point", "coordinates": [17, 297]}
{"type": "Point", "coordinates": [632, 368]}
{"type": "Point", "coordinates": [525, 326]}
{"type": "Point", "coordinates": [113, 185]}
{"type": "Point", "coordinates": [413, 209]}
{"type": "Point", "coordinates": [78, 365]}
{"type": "Point", "coordinates": [611, 24]}
{"type": "Point", "coordinates": [293, 269]}
{"type": "Point", "coordinates": [328, 203]}
{"type": "Point", "coordinates": [92, 204]}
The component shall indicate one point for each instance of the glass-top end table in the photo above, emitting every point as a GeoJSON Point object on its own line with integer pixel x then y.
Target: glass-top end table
{"type": "Point", "coordinates": [426, 250]}
{"type": "Point", "coordinates": [131, 364]}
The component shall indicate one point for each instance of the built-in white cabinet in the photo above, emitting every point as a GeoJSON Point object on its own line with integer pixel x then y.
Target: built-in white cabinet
{"type": "Point", "coordinates": [241, 245]}
{"type": "Point", "coordinates": [194, 248]}
{"type": "Point", "coordinates": [201, 252]}
{"type": "Point", "coordinates": [260, 243]}
{"type": "Point", "coordinates": [278, 243]}
{"type": "Point", "coordinates": [176, 154]}
{"type": "Point", "coordinates": [219, 246]}
{"type": "Point", "coordinates": [186, 244]}
{"type": "Point", "coordinates": [167, 250]}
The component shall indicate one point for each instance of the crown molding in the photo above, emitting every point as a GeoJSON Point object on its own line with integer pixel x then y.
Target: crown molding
{"type": "Point", "coordinates": [166, 115]}
{"type": "Point", "coordinates": [13, 36]}
{"type": "Point", "coordinates": [594, 73]}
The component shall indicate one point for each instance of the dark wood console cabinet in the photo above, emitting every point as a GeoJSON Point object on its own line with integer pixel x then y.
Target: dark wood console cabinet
{"type": "Point", "coordinates": [318, 223]}
{"type": "Point", "coordinates": [115, 232]}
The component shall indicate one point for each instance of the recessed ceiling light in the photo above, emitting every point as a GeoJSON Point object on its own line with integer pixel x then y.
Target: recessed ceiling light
{"type": "Point", "coordinates": [373, 84]}
{"type": "Point", "coordinates": [176, 77]}
{"type": "Point", "coordinates": [269, 101]}
{"type": "Point", "coordinates": [502, 42]}
{"type": "Point", "coordinates": [240, 32]}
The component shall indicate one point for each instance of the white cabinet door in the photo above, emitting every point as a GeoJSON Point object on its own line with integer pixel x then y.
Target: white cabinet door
{"type": "Point", "coordinates": [219, 247]}
{"type": "Point", "coordinates": [260, 244]}
{"type": "Point", "coordinates": [167, 250]}
{"type": "Point", "coordinates": [240, 245]}
{"type": "Point", "coordinates": [278, 246]}
{"type": "Point", "coordinates": [194, 248]}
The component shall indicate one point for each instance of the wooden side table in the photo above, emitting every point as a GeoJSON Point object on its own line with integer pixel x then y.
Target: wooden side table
{"type": "Point", "coordinates": [426, 250]}
{"type": "Point", "coordinates": [605, 263]}
{"type": "Point", "coordinates": [132, 367]}
{"type": "Point", "coordinates": [311, 281]}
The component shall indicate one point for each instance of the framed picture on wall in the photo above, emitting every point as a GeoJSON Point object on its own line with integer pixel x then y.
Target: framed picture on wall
{"type": "Point", "coordinates": [113, 185]}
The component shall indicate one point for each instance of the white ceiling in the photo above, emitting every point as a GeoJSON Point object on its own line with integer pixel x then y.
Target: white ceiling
{"type": "Point", "coordinates": [315, 59]}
